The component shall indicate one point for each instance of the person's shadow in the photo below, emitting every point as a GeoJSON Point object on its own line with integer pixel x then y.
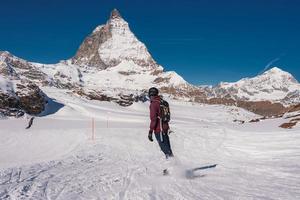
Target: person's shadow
{"type": "Point", "coordinates": [52, 107]}
{"type": "Point", "coordinates": [192, 173]}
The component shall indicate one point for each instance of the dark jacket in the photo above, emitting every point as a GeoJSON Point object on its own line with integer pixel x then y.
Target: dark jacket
{"type": "Point", "coordinates": [155, 124]}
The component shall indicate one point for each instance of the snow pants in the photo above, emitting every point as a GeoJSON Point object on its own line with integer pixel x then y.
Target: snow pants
{"type": "Point", "coordinates": [164, 144]}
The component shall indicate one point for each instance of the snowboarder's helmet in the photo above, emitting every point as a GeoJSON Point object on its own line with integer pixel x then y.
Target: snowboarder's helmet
{"type": "Point", "coordinates": [153, 92]}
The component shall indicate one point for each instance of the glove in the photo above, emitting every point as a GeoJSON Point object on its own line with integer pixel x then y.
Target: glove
{"type": "Point", "coordinates": [150, 136]}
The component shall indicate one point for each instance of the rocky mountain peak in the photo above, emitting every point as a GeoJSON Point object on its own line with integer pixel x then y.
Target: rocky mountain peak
{"type": "Point", "coordinates": [6, 67]}
{"type": "Point", "coordinates": [112, 44]}
{"type": "Point", "coordinates": [7, 57]}
{"type": "Point", "coordinates": [4, 53]}
{"type": "Point", "coordinates": [275, 70]}
{"type": "Point", "coordinates": [115, 14]}
{"type": "Point", "coordinates": [279, 75]}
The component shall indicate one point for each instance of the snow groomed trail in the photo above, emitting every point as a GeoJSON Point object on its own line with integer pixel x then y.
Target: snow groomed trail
{"type": "Point", "coordinates": [57, 158]}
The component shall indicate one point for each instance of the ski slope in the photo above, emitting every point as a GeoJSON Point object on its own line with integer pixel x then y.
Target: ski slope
{"type": "Point", "coordinates": [57, 158]}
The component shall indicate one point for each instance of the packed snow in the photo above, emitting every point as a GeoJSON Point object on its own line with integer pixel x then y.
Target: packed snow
{"type": "Point", "coordinates": [59, 157]}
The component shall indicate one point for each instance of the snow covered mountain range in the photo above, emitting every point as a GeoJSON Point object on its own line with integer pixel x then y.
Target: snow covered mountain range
{"type": "Point", "coordinates": [113, 65]}
{"type": "Point", "coordinates": [273, 85]}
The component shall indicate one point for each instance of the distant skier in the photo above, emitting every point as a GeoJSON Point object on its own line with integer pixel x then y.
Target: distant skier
{"type": "Point", "coordinates": [30, 123]}
{"type": "Point", "coordinates": [159, 116]}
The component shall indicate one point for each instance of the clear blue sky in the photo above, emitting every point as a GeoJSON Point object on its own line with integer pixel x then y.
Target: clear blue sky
{"type": "Point", "coordinates": [205, 41]}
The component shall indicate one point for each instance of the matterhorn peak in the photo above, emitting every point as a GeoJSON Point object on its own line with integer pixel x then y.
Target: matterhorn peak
{"type": "Point", "coordinates": [115, 14]}
{"type": "Point", "coordinates": [112, 44]}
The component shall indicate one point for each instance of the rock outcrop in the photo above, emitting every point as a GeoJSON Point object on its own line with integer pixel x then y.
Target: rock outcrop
{"type": "Point", "coordinates": [18, 68]}
{"type": "Point", "coordinates": [24, 98]}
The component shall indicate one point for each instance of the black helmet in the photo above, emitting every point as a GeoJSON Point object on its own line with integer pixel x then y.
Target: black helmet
{"type": "Point", "coordinates": [153, 92]}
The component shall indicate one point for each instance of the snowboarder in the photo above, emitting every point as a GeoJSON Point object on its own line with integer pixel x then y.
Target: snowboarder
{"type": "Point", "coordinates": [30, 122]}
{"type": "Point", "coordinates": [159, 121]}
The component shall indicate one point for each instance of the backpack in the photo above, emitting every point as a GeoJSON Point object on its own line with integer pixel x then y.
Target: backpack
{"type": "Point", "coordinates": [165, 114]}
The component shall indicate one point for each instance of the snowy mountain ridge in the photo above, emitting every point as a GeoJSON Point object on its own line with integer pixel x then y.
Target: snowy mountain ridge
{"type": "Point", "coordinates": [111, 64]}
{"type": "Point", "coordinates": [273, 85]}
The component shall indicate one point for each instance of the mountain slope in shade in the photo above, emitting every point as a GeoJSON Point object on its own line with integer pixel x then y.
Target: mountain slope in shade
{"type": "Point", "coordinates": [273, 85]}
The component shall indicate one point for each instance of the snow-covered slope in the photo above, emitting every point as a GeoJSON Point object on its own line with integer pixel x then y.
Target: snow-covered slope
{"type": "Point", "coordinates": [273, 85]}
{"type": "Point", "coordinates": [58, 159]}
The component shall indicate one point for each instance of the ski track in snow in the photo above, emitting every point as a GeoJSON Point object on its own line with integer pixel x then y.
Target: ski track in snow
{"type": "Point", "coordinates": [122, 164]}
